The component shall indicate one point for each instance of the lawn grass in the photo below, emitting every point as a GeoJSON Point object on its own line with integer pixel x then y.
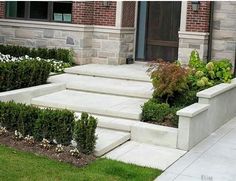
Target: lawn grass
{"type": "Point", "coordinates": [18, 165]}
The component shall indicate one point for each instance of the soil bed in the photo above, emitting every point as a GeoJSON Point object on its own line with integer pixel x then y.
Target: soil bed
{"type": "Point", "coordinates": [8, 139]}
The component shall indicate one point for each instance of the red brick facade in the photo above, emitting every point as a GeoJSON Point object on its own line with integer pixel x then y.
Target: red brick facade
{"type": "Point", "coordinates": [94, 13]}
{"type": "Point", "coordinates": [128, 16]}
{"type": "Point", "coordinates": [198, 21]}
{"type": "Point", "coordinates": [2, 9]}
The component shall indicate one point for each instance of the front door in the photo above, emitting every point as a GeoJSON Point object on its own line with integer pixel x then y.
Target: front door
{"type": "Point", "coordinates": [158, 26]}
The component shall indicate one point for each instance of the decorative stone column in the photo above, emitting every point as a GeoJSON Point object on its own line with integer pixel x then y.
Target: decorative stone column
{"type": "Point", "coordinates": [194, 30]}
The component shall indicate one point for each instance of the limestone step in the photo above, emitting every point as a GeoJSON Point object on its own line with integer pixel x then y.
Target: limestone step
{"type": "Point", "coordinates": [108, 139]}
{"type": "Point", "coordinates": [101, 104]}
{"type": "Point", "coordinates": [146, 155]}
{"type": "Point", "coordinates": [104, 85]}
{"type": "Point", "coordinates": [129, 72]}
{"type": "Point", "coordinates": [120, 124]}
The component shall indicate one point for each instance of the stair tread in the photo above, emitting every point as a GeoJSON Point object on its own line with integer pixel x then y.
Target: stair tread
{"type": "Point", "coordinates": [132, 72]}
{"type": "Point", "coordinates": [109, 139]}
{"type": "Point", "coordinates": [104, 85]}
{"type": "Point", "coordinates": [102, 104]}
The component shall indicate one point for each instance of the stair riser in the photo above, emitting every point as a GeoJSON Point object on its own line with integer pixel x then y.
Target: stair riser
{"type": "Point", "coordinates": [110, 92]}
{"type": "Point", "coordinates": [108, 76]}
{"type": "Point", "coordinates": [88, 110]}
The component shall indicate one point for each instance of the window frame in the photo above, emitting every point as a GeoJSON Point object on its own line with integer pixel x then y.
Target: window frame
{"type": "Point", "coordinates": [49, 14]}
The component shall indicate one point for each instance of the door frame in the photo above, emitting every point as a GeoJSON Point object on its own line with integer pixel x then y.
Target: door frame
{"type": "Point", "coordinates": [183, 14]}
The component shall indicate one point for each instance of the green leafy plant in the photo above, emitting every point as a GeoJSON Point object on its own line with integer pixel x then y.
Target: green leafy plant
{"type": "Point", "coordinates": [41, 123]}
{"type": "Point", "coordinates": [154, 111]}
{"type": "Point", "coordinates": [84, 133]}
{"type": "Point", "coordinates": [26, 73]}
{"type": "Point", "coordinates": [168, 79]}
{"type": "Point", "coordinates": [65, 55]}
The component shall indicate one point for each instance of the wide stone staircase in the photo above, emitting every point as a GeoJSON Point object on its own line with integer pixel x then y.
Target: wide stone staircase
{"type": "Point", "coordinates": [114, 95]}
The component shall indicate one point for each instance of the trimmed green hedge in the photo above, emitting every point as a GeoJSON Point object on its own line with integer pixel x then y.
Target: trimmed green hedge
{"type": "Point", "coordinates": [84, 133]}
{"type": "Point", "coordinates": [21, 74]}
{"type": "Point", "coordinates": [64, 55]}
{"type": "Point", "coordinates": [40, 123]}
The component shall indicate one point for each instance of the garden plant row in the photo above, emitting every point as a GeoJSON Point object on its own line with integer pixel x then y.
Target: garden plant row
{"type": "Point", "coordinates": [176, 85]}
{"type": "Point", "coordinates": [56, 126]}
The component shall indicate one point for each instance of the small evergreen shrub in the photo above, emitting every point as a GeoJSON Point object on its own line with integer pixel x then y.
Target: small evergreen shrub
{"type": "Point", "coordinates": [41, 123]}
{"type": "Point", "coordinates": [84, 133]}
{"type": "Point", "coordinates": [154, 111]}
{"type": "Point", "coordinates": [59, 54]}
{"type": "Point", "coordinates": [21, 74]}
{"type": "Point", "coordinates": [54, 124]}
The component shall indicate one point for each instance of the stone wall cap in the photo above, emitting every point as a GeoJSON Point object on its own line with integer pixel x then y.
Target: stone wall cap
{"type": "Point", "coordinates": [193, 110]}
{"type": "Point", "coordinates": [216, 90]}
{"type": "Point", "coordinates": [155, 127]}
{"type": "Point", "coordinates": [64, 26]}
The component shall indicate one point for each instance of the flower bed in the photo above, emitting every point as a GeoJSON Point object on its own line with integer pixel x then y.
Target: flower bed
{"type": "Point", "coordinates": [60, 54]}
{"type": "Point", "coordinates": [49, 126]}
{"type": "Point", "coordinates": [175, 86]}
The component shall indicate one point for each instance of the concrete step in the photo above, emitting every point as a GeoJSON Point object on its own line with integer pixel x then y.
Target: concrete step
{"type": "Point", "coordinates": [101, 104]}
{"type": "Point", "coordinates": [151, 133]}
{"type": "Point", "coordinates": [146, 155]}
{"type": "Point", "coordinates": [108, 140]}
{"type": "Point", "coordinates": [135, 72]}
{"type": "Point", "coordinates": [113, 123]}
{"type": "Point", "coordinates": [104, 85]}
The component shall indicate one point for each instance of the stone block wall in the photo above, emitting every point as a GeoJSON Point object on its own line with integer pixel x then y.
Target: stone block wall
{"type": "Point", "coordinates": [105, 45]}
{"type": "Point", "coordinates": [224, 30]}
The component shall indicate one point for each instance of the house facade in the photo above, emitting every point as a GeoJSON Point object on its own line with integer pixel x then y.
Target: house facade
{"type": "Point", "coordinates": [108, 32]}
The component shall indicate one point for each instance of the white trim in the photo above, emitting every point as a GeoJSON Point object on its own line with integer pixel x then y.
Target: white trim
{"type": "Point", "coordinates": [193, 35]}
{"type": "Point", "coordinates": [65, 26]}
{"type": "Point", "coordinates": [183, 16]}
{"type": "Point", "coordinates": [119, 13]}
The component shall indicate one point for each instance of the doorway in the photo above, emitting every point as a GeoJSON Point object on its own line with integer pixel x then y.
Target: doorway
{"type": "Point", "coordinates": [157, 30]}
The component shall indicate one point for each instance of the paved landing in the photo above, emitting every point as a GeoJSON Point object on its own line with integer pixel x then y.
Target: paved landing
{"type": "Point", "coordinates": [135, 71]}
{"type": "Point", "coordinates": [214, 159]}
{"type": "Point", "coordinates": [145, 155]}
{"type": "Point", "coordinates": [104, 85]}
{"type": "Point", "coordinates": [102, 104]}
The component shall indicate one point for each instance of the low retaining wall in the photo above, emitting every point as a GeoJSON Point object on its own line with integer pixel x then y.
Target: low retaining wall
{"type": "Point", "coordinates": [215, 107]}
{"type": "Point", "coordinates": [26, 94]}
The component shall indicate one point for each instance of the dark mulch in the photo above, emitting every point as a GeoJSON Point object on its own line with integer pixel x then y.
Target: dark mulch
{"type": "Point", "coordinates": [166, 122]}
{"type": "Point", "coordinates": [9, 140]}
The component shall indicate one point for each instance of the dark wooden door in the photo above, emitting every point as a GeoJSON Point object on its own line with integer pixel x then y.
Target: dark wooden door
{"type": "Point", "coordinates": [162, 30]}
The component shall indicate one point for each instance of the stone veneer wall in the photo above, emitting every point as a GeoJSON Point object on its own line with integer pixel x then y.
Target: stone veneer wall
{"type": "Point", "coordinates": [91, 44]}
{"type": "Point", "coordinates": [224, 30]}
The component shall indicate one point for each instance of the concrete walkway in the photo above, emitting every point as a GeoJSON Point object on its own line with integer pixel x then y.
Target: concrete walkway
{"type": "Point", "coordinates": [214, 159]}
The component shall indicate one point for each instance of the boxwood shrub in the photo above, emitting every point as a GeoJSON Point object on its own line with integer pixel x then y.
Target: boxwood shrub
{"type": "Point", "coordinates": [21, 74]}
{"type": "Point", "coordinates": [40, 123]}
{"type": "Point", "coordinates": [64, 55]}
{"type": "Point", "coordinates": [84, 133]}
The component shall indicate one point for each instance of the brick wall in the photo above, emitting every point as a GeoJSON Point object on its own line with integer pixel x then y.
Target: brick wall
{"type": "Point", "coordinates": [128, 17]}
{"type": "Point", "coordinates": [2, 9]}
{"type": "Point", "coordinates": [198, 21]}
{"type": "Point", "coordinates": [94, 13]}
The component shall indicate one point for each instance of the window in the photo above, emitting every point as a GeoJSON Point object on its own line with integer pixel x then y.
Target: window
{"type": "Point", "coordinates": [16, 9]}
{"type": "Point", "coordinates": [40, 10]}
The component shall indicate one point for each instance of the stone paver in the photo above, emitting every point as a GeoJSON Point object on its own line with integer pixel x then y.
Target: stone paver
{"type": "Point", "coordinates": [135, 71]}
{"type": "Point", "coordinates": [214, 159]}
{"type": "Point", "coordinates": [104, 85]}
{"type": "Point", "coordinates": [109, 105]}
{"type": "Point", "coordinates": [145, 155]}
{"type": "Point", "coordinates": [108, 140]}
